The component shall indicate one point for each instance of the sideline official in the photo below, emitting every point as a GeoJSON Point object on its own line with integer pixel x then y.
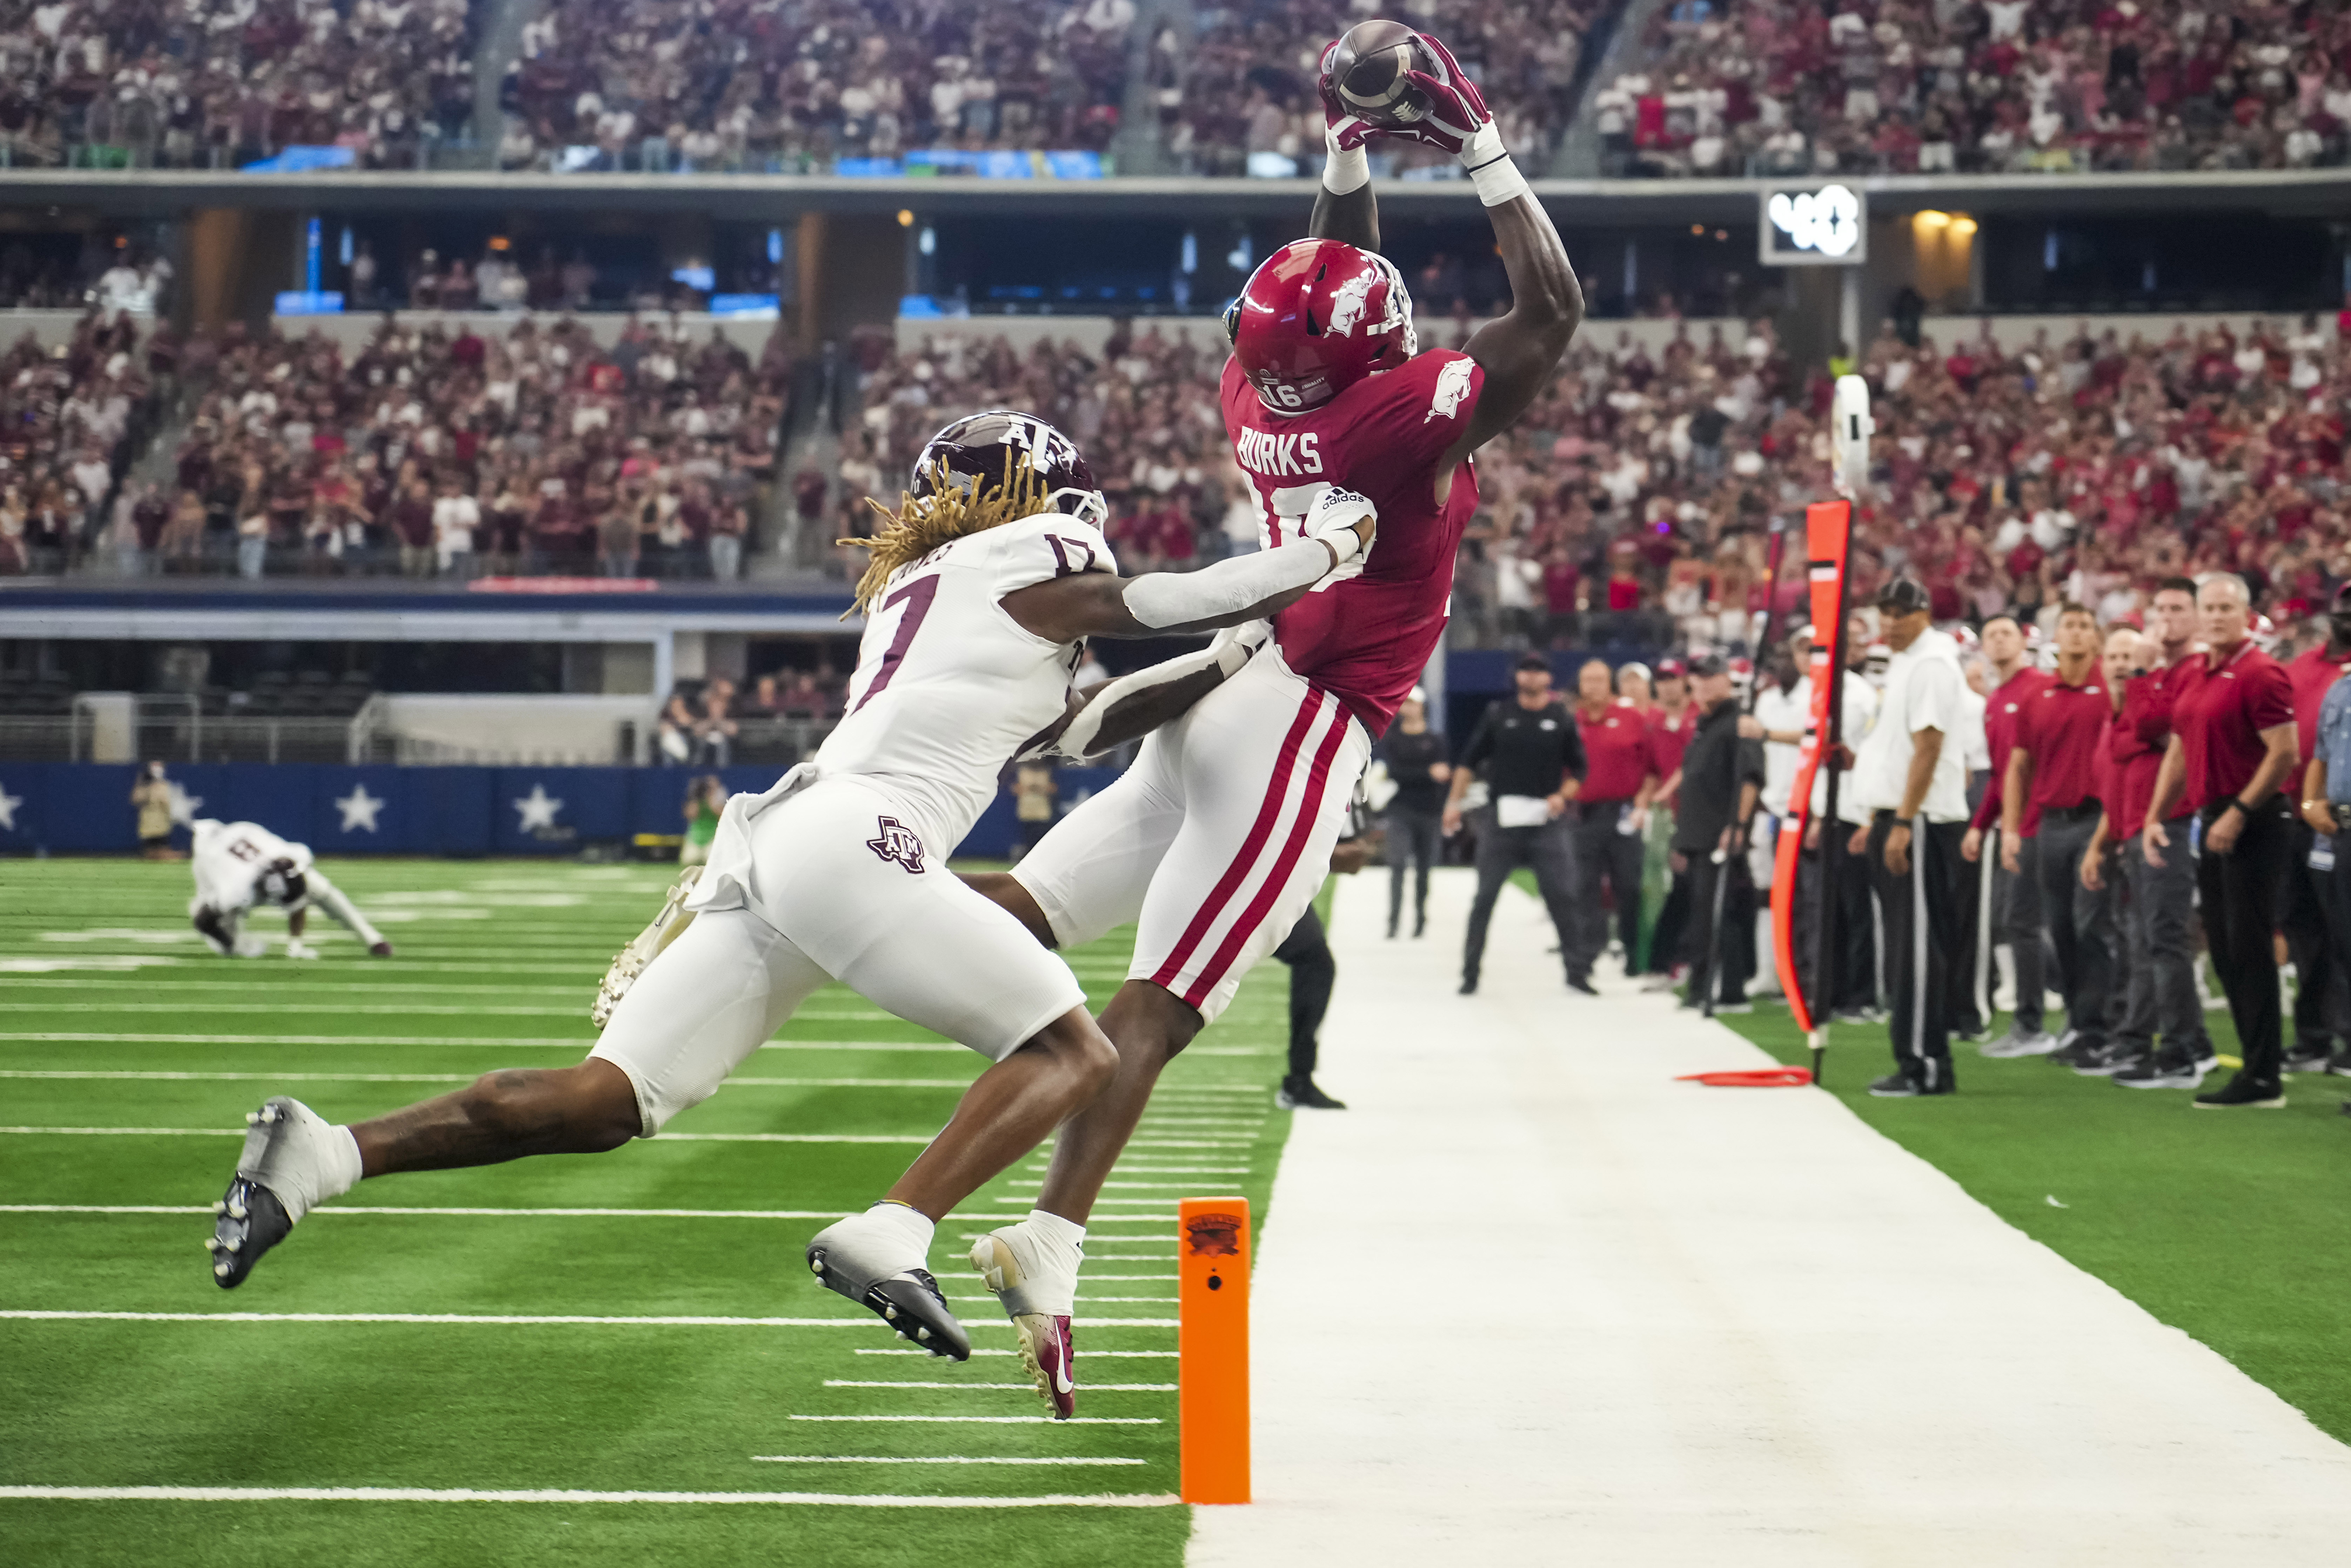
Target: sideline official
{"type": "Point", "coordinates": [1912, 777]}
{"type": "Point", "coordinates": [2232, 745]}
{"type": "Point", "coordinates": [1531, 756]}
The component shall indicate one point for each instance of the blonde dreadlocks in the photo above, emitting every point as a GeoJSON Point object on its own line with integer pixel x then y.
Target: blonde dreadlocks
{"type": "Point", "coordinates": [922, 524]}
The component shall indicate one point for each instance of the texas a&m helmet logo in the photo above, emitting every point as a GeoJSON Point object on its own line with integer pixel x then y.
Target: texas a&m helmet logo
{"type": "Point", "coordinates": [896, 841]}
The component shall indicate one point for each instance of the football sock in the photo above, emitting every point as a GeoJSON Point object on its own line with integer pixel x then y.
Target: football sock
{"type": "Point", "coordinates": [911, 1226]}
{"type": "Point", "coordinates": [340, 1161]}
{"type": "Point", "coordinates": [1065, 1238]}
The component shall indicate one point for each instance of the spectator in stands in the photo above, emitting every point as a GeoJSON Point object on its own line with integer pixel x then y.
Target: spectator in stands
{"type": "Point", "coordinates": [715, 726]}
{"type": "Point", "coordinates": [457, 518]}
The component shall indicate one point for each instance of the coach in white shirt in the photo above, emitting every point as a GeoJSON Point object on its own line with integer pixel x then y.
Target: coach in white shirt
{"type": "Point", "coordinates": [1912, 776]}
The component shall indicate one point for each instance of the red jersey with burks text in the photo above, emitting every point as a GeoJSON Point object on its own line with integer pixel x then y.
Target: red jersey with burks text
{"type": "Point", "coordinates": [1367, 638]}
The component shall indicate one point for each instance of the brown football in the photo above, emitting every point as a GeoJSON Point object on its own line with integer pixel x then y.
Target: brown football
{"type": "Point", "coordinates": [1368, 73]}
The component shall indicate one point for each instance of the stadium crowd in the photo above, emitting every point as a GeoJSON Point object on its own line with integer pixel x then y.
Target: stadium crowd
{"type": "Point", "coordinates": [1242, 88]}
{"type": "Point", "coordinates": [71, 417]}
{"type": "Point", "coordinates": [1770, 87]}
{"type": "Point", "coordinates": [180, 83]}
{"type": "Point", "coordinates": [435, 451]}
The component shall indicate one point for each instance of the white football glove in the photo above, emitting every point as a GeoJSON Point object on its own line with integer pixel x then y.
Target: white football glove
{"type": "Point", "coordinates": [1333, 519]}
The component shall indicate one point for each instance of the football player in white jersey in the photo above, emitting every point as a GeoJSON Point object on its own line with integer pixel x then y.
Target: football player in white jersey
{"type": "Point", "coordinates": [982, 586]}
{"type": "Point", "coordinates": [240, 864]}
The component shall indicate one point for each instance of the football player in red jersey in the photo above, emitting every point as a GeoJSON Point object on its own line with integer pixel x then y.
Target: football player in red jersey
{"type": "Point", "coordinates": [1218, 837]}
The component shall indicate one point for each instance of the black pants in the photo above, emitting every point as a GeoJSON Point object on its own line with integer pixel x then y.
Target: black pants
{"type": "Point", "coordinates": [1673, 922]}
{"type": "Point", "coordinates": [1502, 850]}
{"type": "Point", "coordinates": [1414, 836]}
{"type": "Point", "coordinates": [1716, 956]}
{"type": "Point", "coordinates": [2309, 921]}
{"type": "Point", "coordinates": [1312, 972]}
{"type": "Point", "coordinates": [2080, 922]}
{"type": "Point", "coordinates": [2016, 920]}
{"type": "Point", "coordinates": [1968, 1019]}
{"type": "Point", "coordinates": [1853, 974]}
{"type": "Point", "coordinates": [2239, 893]}
{"type": "Point", "coordinates": [1920, 908]}
{"type": "Point", "coordinates": [1604, 853]}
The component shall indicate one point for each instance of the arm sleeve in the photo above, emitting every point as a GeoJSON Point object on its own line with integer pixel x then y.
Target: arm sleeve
{"type": "Point", "coordinates": [1227, 588]}
{"type": "Point", "coordinates": [1751, 763]}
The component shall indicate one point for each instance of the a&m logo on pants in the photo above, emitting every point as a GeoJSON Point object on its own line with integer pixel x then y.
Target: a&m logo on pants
{"type": "Point", "coordinates": [897, 843]}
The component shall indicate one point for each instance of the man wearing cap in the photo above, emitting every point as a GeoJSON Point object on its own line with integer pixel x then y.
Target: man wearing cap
{"type": "Point", "coordinates": [2320, 1001]}
{"type": "Point", "coordinates": [2233, 743]}
{"type": "Point", "coordinates": [2059, 735]}
{"type": "Point", "coordinates": [1532, 757]}
{"type": "Point", "coordinates": [1912, 778]}
{"type": "Point", "coordinates": [1721, 780]}
{"type": "Point", "coordinates": [1608, 818]}
{"type": "Point", "coordinates": [2014, 914]}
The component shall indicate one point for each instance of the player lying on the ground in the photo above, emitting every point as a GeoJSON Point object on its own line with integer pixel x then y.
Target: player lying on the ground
{"type": "Point", "coordinates": [983, 584]}
{"type": "Point", "coordinates": [1219, 835]}
{"type": "Point", "coordinates": [240, 864]}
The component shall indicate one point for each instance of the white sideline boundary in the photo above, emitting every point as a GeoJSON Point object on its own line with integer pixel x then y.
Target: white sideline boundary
{"type": "Point", "coordinates": [514, 1320]}
{"type": "Point", "coordinates": [1629, 1321]}
{"type": "Point", "coordinates": [468, 1494]}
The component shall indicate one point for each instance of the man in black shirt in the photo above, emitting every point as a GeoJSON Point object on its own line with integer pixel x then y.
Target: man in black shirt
{"type": "Point", "coordinates": [1532, 757]}
{"type": "Point", "coordinates": [1722, 774]}
{"type": "Point", "coordinates": [1415, 756]}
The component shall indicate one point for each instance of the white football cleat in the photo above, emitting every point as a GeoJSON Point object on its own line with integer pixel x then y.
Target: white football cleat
{"type": "Point", "coordinates": [1039, 1288]}
{"type": "Point", "coordinates": [297, 948]}
{"type": "Point", "coordinates": [644, 948]}
{"type": "Point", "coordinates": [248, 946]}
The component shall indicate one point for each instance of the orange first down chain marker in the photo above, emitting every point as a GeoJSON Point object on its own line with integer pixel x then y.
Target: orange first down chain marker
{"type": "Point", "coordinates": [1212, 1401]}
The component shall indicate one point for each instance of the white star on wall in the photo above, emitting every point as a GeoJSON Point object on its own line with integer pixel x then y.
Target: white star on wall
{"type": "Point", "coordinates": [183, 805]}
{"type": "Point", "coordinates": [8, 804]}
{"type": "Point", "coordinates": [358, 809]}
{"type": "Point", "coordinates": [537, 808]}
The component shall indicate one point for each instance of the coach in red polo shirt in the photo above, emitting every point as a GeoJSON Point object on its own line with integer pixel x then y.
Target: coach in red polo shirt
{"type": "Point", "coordinates": [1671, 720]}
{"type": "Point", "coordinates": [2232, 746]}
{"type": "Point", "coordinates": [1610, 814]}
{"type": "Point", "coordinates": [2049, 814]}
{"type": "Point", "coordinates": [2014, 917]}
{"type": "Point", "coordinates": [2322, 1003]}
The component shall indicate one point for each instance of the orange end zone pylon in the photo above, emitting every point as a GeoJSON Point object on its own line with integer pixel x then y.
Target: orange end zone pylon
{"type": "Point", "coordinates": [1827, 527]}
{"type": "Point", "coordinates": [1212, 1368]}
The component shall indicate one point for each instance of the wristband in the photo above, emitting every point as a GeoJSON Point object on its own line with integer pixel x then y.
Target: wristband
{"type": "Point", "coordinates": [1346, 170]}
{"type": "Point", "coordinates": [2236, 805]}
{"type": "Point", "coordinates": [1491, 169]}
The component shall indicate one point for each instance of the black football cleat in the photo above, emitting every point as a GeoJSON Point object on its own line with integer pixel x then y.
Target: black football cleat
{"type": "Point", "coordinates": [907, 1298]}
{"type": "Point", "coordinates": [380, 950]}
{"type": "Point", "coordinates": [250, 1222]}
{"type": "Point", "coordinates": [1299, 1092]}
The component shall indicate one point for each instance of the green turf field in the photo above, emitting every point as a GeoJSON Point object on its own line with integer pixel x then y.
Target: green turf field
{"type": "Point", "coordinates": [2226, 1224]}
{"type": "Point", "coordinates": [118, 1023]}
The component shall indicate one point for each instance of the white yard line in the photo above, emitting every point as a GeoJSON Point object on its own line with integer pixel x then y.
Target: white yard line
{"type": "Point", "coordinates": [1707, 1326]}
{"type": "Point", "coordinates": [468, 1494]}
{"type": "Point", "coordinates": [901, 1383]}
{"type": "Point", "coordinates": [510, 1320]}
{"type": "Point", "coordinates": [944, 1459]}
{"type": "Point", "coordinates": [991, 1420]}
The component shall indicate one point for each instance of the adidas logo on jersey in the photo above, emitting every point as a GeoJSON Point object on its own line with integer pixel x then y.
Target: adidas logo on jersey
{"type": "Point", "coordinates": [1263, 452]}
{"type": "Point", "coordinates": [897, 843]}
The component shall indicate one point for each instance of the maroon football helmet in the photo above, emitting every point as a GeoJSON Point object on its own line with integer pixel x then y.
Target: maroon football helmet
{"type": "Point", "coordinates": [1316, 317]}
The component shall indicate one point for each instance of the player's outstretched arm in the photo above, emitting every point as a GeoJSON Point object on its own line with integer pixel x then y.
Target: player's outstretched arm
{"type": "Point", "coordinates": [1246, 588]}
{"type": "Point", "coordinates": [1344, 209]}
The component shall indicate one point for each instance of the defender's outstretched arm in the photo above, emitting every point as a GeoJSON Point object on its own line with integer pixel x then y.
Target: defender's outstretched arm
{"type": "Point", "coordinates": [1229, 594]}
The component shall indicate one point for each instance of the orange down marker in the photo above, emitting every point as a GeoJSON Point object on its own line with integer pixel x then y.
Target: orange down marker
{"type": "Point", "coordinates": [1212, 1375]}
